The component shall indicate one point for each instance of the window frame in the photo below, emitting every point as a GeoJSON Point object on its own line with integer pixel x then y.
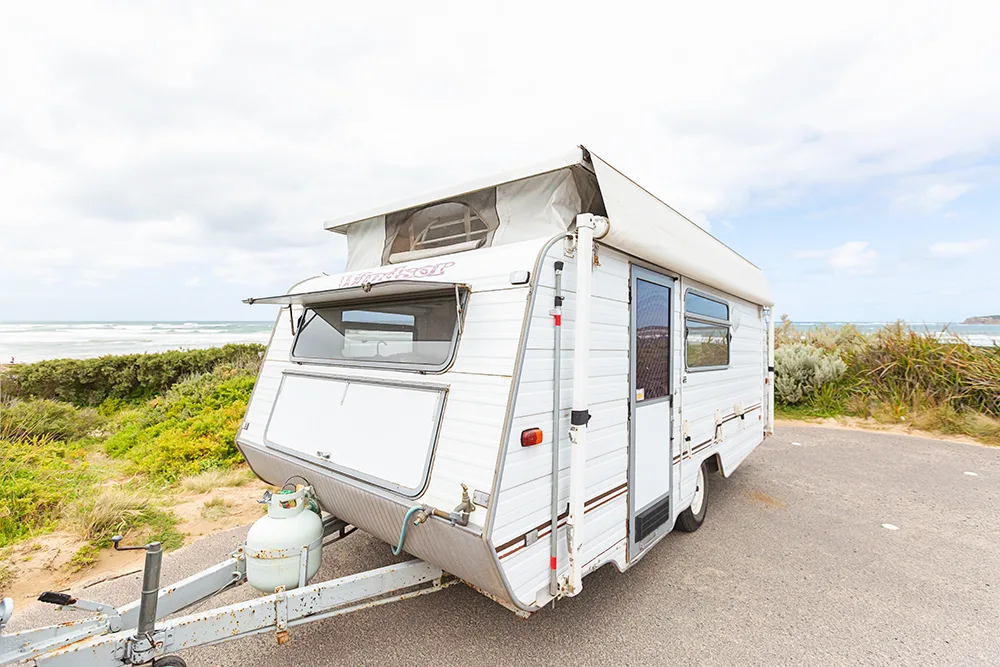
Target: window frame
{"type": "Point", "coordinates": [714, 321]}
{"type": "Point", "coordinates": [461, 297]}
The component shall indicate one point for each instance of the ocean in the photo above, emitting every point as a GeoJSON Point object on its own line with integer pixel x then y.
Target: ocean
{"type": "Point", "coordinates": [27, 342]}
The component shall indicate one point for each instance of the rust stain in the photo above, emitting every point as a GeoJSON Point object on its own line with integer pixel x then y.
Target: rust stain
{"type": "Point", "coordinates": [283, 637]}
{"type": "Point", "coordinates": [764, 499]}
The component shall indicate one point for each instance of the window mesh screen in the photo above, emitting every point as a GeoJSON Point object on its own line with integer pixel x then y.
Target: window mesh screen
{"type": "Point", "coordinates": [652, 340]}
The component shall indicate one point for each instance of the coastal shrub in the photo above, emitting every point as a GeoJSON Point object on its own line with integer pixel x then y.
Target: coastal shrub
{"type": "Point", "coordinates": [842, 339]}
{"type": "Point", "coordinates": [898, 363]}
{"type": "Point", "coordinates": [128, 377]}
{"type": "Point", "coordinates": [800, 370]}
{"type": "Point", "coordinates": [20, 419]}
{"type": "Point", "coordinates": [116, 511]}
{"type": "Point", "coordinates": [190, 429]}
{"type": "Point", "coordinates": [39, 477]}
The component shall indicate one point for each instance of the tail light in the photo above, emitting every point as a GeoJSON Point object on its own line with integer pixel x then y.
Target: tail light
{"type": "Point", "coordinates": [531, 436]}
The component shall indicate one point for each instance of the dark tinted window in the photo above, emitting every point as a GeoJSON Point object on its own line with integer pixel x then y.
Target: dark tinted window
{"type": "Point", "coordinates": [696, 304]}
{"type": "Point", "coordinates": [418, 332]}
{"type": "Point", "coordinates": [652, 340]}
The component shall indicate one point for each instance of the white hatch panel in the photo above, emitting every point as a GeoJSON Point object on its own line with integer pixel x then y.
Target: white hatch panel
{"type": "Point", "coordinates": [380, 433]}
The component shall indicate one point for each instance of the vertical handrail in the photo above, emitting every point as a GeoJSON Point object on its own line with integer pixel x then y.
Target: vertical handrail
{"type": "Point", "coordinates": [556, 431]}
{"type": "Point", "coordinates": [586, 224]}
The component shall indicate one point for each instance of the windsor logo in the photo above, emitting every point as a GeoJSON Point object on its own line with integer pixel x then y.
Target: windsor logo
{"type": "Point", "coordinates": [396, 273]}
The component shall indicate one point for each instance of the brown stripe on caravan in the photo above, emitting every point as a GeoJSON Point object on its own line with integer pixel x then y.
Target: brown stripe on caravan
{"type": "Point", "coordinates": [711, 441]}
{"type": "Point", "coordinates": [544, 529]}
{"type": "Point", "coordinates": [606, 493]}
{"type": "Point", "coordinates": [547, 531]}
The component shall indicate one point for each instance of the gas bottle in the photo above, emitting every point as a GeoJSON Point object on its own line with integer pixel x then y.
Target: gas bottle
{"type": "Point", "coordinates": [277, 543]}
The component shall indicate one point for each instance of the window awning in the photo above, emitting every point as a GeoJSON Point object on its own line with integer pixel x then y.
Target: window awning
{"type": "Point", "coordinates": [388, 288]}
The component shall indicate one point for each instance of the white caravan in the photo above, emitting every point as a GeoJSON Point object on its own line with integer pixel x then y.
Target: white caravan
{"type": "Point", "coordinates": [519, 380]}
{"type": "Point", "coordinates": [429, 396]}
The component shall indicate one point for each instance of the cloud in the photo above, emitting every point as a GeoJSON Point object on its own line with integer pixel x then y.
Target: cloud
{"type": "Point", "coordinates": [934, 197]}
{"type": "Point", "coordinates": [215, 138]}
{"type": "Point", "coordinates": [854, 257]}
{"type": "Point", "coordinates": [953, 249]}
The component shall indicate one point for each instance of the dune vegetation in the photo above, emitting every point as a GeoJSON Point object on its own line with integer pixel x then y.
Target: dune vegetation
{"type": "Point", "coordinates": [892, 376]}
{"type": "Point", "coordinates": [99, 446]}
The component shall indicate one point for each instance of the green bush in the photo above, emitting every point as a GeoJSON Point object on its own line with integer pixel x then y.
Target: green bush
{"type": "Point", "coordinates": [898, 363]}
{"type": "Point", "coordinates": [190, 429]}
{"type": "Point", "coordinates": [39, 477]}
{"type": "Point", "coordinates": [800, 370]}
{"type": "Point", "coordinates": [128, 377]}
{"type": "Point", "coordinates": [45, 418]}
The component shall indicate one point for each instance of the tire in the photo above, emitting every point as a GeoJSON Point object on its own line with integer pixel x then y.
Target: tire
{"type": "Point", "coordinates": [691, 519]}
{"type": "Point", "coordinates": [169, 661]}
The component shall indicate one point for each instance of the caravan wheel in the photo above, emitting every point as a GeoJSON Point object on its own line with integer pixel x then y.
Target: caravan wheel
{"type": "Point", "coordinates": [690, 519]}
{"type": "Point", "coordinates": [169, 661]}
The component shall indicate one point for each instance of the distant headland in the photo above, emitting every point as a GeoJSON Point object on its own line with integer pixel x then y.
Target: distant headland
{"type": "Point", "coordinates": [983, 319]}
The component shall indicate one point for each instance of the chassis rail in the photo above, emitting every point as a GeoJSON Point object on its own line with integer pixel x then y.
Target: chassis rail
{"type": "Point", "coordinates": [112, 639]}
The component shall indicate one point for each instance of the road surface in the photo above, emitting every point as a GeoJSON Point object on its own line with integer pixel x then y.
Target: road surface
{"type": "Point", "coordinates": [792, 567]}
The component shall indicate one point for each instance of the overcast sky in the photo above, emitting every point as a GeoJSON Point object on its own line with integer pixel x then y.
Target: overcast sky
{"type": "Point", "coordinates": [161, 162]}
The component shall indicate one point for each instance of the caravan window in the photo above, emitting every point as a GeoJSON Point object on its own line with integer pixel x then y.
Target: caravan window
{"type": "Point", "coordinates": [448, 227]}
{"type": "Point", "coordinates": [417, 334]}
{"type": "Point", "coordinates": [706, 331]}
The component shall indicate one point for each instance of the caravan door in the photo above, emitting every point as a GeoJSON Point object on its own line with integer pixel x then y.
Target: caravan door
{"type": "Point", "coordinates": [651, 408]}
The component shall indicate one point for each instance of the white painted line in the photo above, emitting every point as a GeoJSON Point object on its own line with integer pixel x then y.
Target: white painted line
{"type": "Point", "coordinates": [971, 474]}
{"type": "Point", "coordinates": [796, 444]}
{"type": "Point", "coordinates": [889, 526]}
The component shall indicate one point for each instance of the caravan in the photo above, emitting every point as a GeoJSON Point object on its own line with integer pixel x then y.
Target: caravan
{"type": "Point", "coordinates": [516, 382]}
{"type": "Point", "coordinates": [526, 378]}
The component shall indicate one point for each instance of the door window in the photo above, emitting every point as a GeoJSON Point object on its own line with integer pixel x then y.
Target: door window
{"type": "Point", "coordinates": [652, 341]}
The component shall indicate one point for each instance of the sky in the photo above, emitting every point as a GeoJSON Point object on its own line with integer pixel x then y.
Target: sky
{"type": "Point", "coordinates": [165, 161]}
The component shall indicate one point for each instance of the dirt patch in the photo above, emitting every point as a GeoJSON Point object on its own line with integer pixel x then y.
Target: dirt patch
{"type": "Point", "coordinates": [764, 499]}
{"type": "Point", "coordinates": [45, 563]}
{"type": "Point", "coordinates": [868, 424]}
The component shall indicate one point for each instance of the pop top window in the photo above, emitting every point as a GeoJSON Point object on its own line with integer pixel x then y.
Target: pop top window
{"type": "Point", "coordinates": [440, 226]}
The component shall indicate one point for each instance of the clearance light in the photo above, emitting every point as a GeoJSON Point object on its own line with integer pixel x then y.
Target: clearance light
{"type": "Point", "coordinates": [531, 436]}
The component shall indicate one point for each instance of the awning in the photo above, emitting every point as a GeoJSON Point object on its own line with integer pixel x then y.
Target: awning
{"type": "Point", "coordinates": [367, 291]}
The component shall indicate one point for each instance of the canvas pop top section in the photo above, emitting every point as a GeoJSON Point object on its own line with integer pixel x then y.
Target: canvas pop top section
{"type": "Point", "coordinates": [528, 204]}
{"type": "Point", "coordinates": [542, 201]}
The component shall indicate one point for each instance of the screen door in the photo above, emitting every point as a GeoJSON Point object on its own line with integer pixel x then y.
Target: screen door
{"type": "Point", "coordinates": [651, 408]}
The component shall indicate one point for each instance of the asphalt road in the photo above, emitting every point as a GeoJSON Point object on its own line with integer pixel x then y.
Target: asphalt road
{"type": "Point", "coordinates": [792, 567]}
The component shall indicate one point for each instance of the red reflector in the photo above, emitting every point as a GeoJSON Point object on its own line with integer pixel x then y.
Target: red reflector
{"type": "Point", "coordinates": [552, 562]}
{"type": "Point", "coordinates": [558, 320]}
{"type": "Point", "coordinates": [531, 436]}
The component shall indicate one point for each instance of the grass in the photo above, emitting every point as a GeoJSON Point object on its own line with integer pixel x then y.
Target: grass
{"type": "Point", "coordinates": [215, 509]}
{"type": "Point", "coordinates": [84, 557]}
{"type": "Point", "coordinates": [150, 425]}
{"type": "Point", "coordinates": [216, 478]}
{"type": "Point", "coordinates": [132, 514]}
{"type": "Point", "coordinates": [899, 376]}
{"type": "Point", "coordinates": [39, 478]}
